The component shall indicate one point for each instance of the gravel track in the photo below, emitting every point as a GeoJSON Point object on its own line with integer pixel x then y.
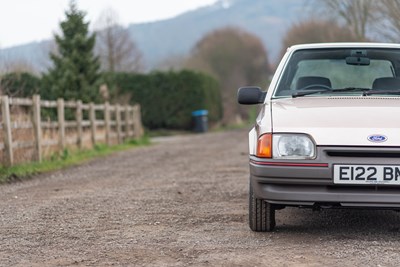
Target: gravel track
{"type": "Point", "coordinates": [179, 202]}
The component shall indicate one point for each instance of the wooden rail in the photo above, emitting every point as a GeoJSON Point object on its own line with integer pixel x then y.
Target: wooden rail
{"type": "Point", "coordinates": [119, 122]}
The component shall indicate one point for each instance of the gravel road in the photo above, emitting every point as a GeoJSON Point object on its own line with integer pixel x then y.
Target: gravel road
{"type": "Point", "coordinates": [179, 202]}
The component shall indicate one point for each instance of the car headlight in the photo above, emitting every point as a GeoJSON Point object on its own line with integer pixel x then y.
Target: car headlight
{"type": "Point", "coordinates": [292, 146]}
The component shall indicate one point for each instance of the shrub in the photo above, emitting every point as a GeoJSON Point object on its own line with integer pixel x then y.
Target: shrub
{"type": "Point", "coordinates": [19, 84]}
{"type": "Point", "coordinates": [167, 99]}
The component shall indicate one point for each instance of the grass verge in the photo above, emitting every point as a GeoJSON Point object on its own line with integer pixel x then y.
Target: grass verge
{"type": "Point", "coordinates": [56, 162]}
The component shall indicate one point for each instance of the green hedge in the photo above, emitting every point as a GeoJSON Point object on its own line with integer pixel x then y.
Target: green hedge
{"type": "Point", "coordinates": [168, 98]}
{"type": "Point", "coordinates": [20, 84]}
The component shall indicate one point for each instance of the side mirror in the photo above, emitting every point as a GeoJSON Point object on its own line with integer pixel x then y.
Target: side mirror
{"type": "Point", "coordinates": [251, 95]}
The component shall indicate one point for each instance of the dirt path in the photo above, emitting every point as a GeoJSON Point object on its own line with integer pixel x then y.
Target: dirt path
{"type": "Point", "coordinates": [181, 202]}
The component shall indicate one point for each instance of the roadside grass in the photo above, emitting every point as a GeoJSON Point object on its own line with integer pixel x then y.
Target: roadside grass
{"type": "Point", "coordinates": [167, 132]}
{"type": "Point", "coordinates": [66, 159]}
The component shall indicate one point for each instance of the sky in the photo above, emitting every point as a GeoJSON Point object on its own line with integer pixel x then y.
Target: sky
{"type": "Point", "coordinates": [23, 21]}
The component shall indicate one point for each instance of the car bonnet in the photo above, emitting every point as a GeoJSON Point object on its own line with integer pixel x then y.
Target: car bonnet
{"type": "Point", "coordinates": [340, 120]}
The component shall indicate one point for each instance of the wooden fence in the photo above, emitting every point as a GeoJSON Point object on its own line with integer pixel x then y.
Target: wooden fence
{"type": "Point", "coordinates": [91, 123]}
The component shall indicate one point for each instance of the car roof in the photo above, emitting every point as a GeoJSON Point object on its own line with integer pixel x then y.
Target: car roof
{"type": "Point", "coordinates": [343, 45]}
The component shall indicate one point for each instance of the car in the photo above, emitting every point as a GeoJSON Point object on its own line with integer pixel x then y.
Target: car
{"type": "Point", "coordinates": [328, 131]}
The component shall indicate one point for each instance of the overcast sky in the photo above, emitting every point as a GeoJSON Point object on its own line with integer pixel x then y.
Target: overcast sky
{"type": "Point", "coordinates": [23, 21]}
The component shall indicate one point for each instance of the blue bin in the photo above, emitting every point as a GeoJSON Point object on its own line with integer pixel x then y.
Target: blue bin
{"type": "Point", "coordinates": [200, 121]}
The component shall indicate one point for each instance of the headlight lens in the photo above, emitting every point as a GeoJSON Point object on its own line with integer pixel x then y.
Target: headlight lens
{"type": "Point", "coordinates": [293, 146]}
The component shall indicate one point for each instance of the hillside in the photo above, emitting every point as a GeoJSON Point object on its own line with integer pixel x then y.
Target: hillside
{"type": "Point", "coordinates": [268, 19]}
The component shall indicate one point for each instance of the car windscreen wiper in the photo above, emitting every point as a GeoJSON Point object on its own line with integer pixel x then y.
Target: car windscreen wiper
{"type": "Point", "coordinates": [324, 91]}
{"type": "Point", "coordinates": [308, 92]}
{"type": "Point", "coordinates": [382, 92]}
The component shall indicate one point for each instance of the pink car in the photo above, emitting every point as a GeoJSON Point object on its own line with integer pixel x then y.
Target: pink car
{"type": "Point", "coordinates": [328, 134]}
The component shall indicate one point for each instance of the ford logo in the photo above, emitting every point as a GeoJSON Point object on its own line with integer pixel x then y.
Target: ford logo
{"type": "Point", "coordinates": [377, 138]}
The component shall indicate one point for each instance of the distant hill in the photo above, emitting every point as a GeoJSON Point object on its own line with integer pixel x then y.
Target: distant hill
{"type": "Point", "coordinates": [268, 19]}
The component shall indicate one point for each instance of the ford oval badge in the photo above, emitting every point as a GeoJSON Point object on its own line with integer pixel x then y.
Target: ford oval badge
{"type": "Point", "coordinates": [377, 138]}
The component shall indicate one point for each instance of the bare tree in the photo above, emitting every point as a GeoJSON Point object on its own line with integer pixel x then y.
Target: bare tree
{"type": "Point", "coordinates": [117, 50]}
{"type": "Point", "coordinates": [173, 62]}
{"type": "Point", "coordinates": [316, 31]}
{"type": "Point", "coordinates": [390, 20]}
{"type": "Point", "coordinates": [236, 58]}
{"type": "Point", "coordinates": [356, 14]}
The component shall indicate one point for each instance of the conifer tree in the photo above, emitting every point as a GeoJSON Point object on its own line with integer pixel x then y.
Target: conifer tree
{"type": "Point", "coordinates": [75, 70]}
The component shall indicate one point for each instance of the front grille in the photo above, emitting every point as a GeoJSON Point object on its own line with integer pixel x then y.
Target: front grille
{"type": "Point", "coordinates": [364, 154]}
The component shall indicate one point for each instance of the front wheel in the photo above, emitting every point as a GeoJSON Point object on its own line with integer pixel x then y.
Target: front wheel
{"type": "Point", "coordinates": [261, 214]}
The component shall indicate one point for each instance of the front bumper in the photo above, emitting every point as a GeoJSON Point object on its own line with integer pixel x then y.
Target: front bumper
{"type": "Point", "coordinates": [310, 182]}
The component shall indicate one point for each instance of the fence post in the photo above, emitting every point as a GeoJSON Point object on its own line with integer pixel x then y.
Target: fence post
{"type": "Point", "coordinates": [8, 144]}
{"type": "Point", "coordinates": [79, 123]}
{"type": "Point", "coordinates": [137, 122]}
{"type": "Point", "coordinates": [61, 124]}
{"type": "Point", "coordinates": [118, 118]}
{"type": "Point", "coordinates": [92, 118]}
{"type": "Point", "coordinates": [127, 123]}
{"type": "Point", "coordinates": [37, 127]}
{"type": "Point", "coordinates": [107, 122]}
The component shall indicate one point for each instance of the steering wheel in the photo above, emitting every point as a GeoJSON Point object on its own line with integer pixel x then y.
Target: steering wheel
{"type": "Point", "coordinates": [315, 87]}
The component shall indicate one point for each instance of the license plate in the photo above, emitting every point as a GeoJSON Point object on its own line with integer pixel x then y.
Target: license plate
{"type": "Point", "coordinates": [366, 174]}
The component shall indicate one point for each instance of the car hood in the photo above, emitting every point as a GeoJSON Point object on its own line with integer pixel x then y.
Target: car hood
{"type": "Point", "coordinates": [339, 120]}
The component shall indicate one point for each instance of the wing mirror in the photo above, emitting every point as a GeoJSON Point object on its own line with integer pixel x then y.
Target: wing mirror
{"type": "Point", "coordinates": [251, 95]}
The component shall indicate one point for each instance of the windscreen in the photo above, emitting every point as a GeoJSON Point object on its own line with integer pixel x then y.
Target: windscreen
{"type": "Point", "coordinates": [330, 69]}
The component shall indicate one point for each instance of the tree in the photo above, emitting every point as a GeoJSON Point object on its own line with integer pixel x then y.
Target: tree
{"type": "Point", "coordinates": [117, 51]}
{"type": "Point", "coordinates": [390, 21]}
{"type": "Point", "coordinates": [356, 14]}
{"type": "Point", "coordinates": [75, 71]}
{"type": "Point", "coordinates": [236, 58]}
{"type": "Point", "coordinates": [314, 31]}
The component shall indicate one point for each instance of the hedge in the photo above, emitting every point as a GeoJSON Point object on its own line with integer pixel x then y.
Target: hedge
{"type": "Point", "coordinates": [169, 98]}
{"type": "Point", "coordinates": [21, 84]}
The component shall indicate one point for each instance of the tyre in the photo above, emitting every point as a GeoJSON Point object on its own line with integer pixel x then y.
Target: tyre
{"type": "Point", "coordinates": [261, 214]}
